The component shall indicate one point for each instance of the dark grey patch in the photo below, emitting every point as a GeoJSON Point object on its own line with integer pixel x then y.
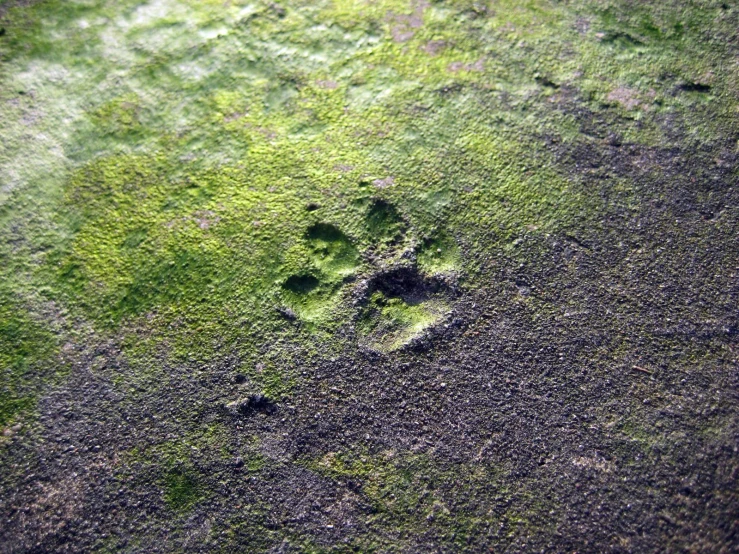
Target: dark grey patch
{"type": "Point", "coordinates": [256, 403]}
{"type": "Point", "coordinates": [287, 313]}
{"type": "Point", "coordinates": [406, 283]}
{"type": "Point", "coordinates": [694, 87]}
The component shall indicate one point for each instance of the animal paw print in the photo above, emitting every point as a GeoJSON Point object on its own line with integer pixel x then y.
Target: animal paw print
{"type": "Point", "coordinates": [408, 285]}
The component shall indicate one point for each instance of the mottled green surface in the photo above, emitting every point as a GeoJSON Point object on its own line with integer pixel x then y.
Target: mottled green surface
{"type": "Point", "coordinates": [158, 158]}
{"type": "Point", "coordinates": [212, 183]}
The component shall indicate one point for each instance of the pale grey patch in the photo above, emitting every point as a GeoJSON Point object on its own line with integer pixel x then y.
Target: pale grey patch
{"type": "Point", "coordinates": [384, 183]}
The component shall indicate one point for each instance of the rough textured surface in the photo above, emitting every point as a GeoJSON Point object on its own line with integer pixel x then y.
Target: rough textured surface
{"type": "Point", "coordinates": [369, 276]}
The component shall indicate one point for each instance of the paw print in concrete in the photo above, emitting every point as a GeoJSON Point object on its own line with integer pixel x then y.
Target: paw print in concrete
{"type": "Point", "coordinates": [407, 285]}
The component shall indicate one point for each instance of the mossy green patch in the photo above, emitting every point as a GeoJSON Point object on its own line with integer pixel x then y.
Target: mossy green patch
{"type": "Point", "coordinates": [27, 352]}
{"type": "Point", "coordinates": [119, 117]}
{"type": "Point", "coordinates": [439, 254]}
{"type": "Point", "coordinates": [181, 489]}
{"type": "Point", "coordinates": [210, 185]}
{"type": "Point", "coordinates": [174, 466]}
{"type": "Point", "coordinates": [384, 222]}
{"type": "Point", "coordinates": [389, 323]}
{"type": "Point", "coordinates": [191, 179]}
{"type": "Point", "coordinates": [331, 250]}
{"type": "Point", "coordinates": [413, 494]}
{"type": "Point", "coordinates": [274, 383]}
{"type": "Point", "coordinates": [177, 147]}
{"type": "Point", "coordinates": [301, 284]}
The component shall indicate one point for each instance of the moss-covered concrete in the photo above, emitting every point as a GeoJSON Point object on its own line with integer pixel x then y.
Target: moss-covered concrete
{"type": "Point", "coordinates": [383, 275]}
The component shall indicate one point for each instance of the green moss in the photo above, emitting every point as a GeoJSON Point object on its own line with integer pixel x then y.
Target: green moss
{"type": "Point", "coordinates": [439, 255]}
{"type": "Point", "coordinates": [172, 466]}
{"type": "Point", "coordinates": [274, 383]}
{"type": "Point", "coordinates": [255, 463]}
{"type": "Point", "coordinates": [301, 284]}
{"type": "Point", "coordinates": [26, 356]}
{"type": "Point", "coordinates": [119, 117]}
{"type": "Point", "coordinates": [384, 222]}
{"type": "Point", "coordinates": [183, 150]}
{"type": "Point", "coordinates": [415, 494]}
{"type": "Point", "coordinates": [181, 489]}
{"type": "Point", "coordinates": [176, 153]}
{"type": "Point", "coordinates": [389, 323]}
{"type": "Point", "coordinates": [332, 251]}
{"type": "Point", "coordinates": [192, 179]}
